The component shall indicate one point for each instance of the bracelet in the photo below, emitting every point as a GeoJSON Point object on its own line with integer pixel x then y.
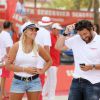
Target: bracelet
{"type": "Point", "coordinates": [64, 34]}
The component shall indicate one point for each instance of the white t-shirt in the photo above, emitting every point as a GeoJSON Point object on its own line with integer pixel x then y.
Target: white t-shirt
{"type": "Point", "coordinates": [43, 39]}
{"type": "Point", "coordinates": [85, 53]}
{"type": "Point", "coordinates": [20, 9]}
{"type": "Point", "coordinates": [5, 41]}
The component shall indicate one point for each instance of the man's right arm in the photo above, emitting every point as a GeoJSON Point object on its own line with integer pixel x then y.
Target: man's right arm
{"type": "Point", "coordinates": [60, 44]}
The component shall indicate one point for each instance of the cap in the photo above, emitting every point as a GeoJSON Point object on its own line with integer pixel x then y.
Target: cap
{"type": "Point", "coordinates": [28, 25]}
{"type": "Point", "coordinates": [45, 21]}
{"type": "Point", "coordinates": [57, 26]}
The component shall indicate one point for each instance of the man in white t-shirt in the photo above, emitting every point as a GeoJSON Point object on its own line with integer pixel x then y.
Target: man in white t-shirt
{"type": "Point", "coordinates": [86, 50]}
{"type": "Point", "coordinates": [20, 8]}
{"type": "Point", "coordinates": [5, 44]}
{"type": "Point", "coordinates": [43, 39]}
{"type": "Point", "coordinates": [43, 35]}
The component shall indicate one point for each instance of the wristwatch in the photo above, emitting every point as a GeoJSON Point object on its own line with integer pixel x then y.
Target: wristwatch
{"type": "Point", "coordinates": [93, 65]}
{"type": "Point", "coordinates": [64, 34]}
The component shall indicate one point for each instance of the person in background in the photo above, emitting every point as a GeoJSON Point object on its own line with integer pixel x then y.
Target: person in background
{"type": "Point", "coordinates": [20, 8]}
{"type": "Point", "coordinates": [96, 28]}
{"type": "Point", "coordinates": [0, 28]}
{"type": "Point", "coordinates": [24, 20]}
{"type": "Point", "coordinates": [85, 45]}
{"type": "Point", "coordinates": [5, 45]}
{"type": "Point", "coordinates": [51, 79]}
{"type": "Point", "coordinates": [43, 39]}
{"type": "Point", "coordinates": [23, 60]}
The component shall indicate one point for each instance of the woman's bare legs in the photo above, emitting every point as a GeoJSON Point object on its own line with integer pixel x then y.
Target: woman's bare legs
{"type": "Point", "coordinates": [16, 96]}
{"type": "Point", "coordinates": [33, 95]}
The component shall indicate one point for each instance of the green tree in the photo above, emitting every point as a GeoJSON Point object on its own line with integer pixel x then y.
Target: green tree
{"type": "Point", "coordinates": [96, 11]}
{"type": "Point", "coordinates": [77, 4]}
{"type": "Point", "coordinates": [71, 4]}
{"type": "Point", "coordinates": [90, 5]}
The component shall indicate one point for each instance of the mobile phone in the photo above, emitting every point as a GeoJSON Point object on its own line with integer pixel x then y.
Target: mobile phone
{"type": "Point", "coordinates": [82, 64]}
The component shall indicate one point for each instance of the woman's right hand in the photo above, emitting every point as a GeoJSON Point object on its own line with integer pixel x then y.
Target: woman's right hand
{"type": "Point", "coordinates": [30, 70]}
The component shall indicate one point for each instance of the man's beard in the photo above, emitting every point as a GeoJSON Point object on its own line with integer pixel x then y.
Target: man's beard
{"type": "Point", "coordinates": [88, 39]}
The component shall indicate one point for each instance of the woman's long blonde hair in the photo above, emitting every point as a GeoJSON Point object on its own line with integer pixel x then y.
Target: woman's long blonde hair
{"type": "Point", "coordinates": [23, 38]}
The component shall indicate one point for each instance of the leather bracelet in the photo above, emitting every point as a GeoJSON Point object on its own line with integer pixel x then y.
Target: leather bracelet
{"type": "Point", "coordinates": [64, 34]}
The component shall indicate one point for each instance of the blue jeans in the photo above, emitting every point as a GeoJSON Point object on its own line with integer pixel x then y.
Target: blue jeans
{"type": "Point", "coordinates": [82, 89]}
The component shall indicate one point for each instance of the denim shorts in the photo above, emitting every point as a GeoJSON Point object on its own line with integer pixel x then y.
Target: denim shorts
{"type": "Point", "coordinates": [19, 86]}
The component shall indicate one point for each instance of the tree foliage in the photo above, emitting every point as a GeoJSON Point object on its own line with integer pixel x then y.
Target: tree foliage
{"type": "Point", "coordinates": [71, 4]}
{"type": "Point", "coordinates": [96, 11]}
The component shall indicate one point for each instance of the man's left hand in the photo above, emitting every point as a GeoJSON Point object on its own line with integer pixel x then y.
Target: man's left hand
{"type": "Point", "coordinates": [86, 67]}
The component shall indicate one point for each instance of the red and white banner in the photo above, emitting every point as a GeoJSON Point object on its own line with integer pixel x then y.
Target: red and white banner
{"type": "Point", "coordinates": [64, 17]}
{"type": "Point", "coordinates": [7, 9]}
{"type": "Point", "coordinates": [11, 5]}
{"type": "Point", "coordinates": [3, 5]}
{"type": "Point", "coordinates": [64, 78]}
{"type": "Point", "coordinates": [3, 8]}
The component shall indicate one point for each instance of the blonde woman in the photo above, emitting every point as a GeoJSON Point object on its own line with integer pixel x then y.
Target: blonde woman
{"type": "Point", "coordinates": [23, 61]}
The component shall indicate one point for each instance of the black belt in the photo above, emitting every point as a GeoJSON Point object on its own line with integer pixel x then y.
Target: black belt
{"type": "Point", "coordinates": [81, 80]}
{"type": "Point", "coordinates": [27, 79]}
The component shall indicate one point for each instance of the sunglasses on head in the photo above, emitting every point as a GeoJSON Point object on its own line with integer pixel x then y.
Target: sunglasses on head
{"type": "Point", "coordinates": [32, 29]}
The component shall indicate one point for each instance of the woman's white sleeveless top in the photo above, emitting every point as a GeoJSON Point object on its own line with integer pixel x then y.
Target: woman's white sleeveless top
{"type": "Point", "coordinates": [25, 60]}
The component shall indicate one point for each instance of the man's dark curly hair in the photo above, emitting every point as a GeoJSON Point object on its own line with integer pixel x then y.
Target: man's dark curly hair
{"type": "Point", "coordinates": [83, 24]}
